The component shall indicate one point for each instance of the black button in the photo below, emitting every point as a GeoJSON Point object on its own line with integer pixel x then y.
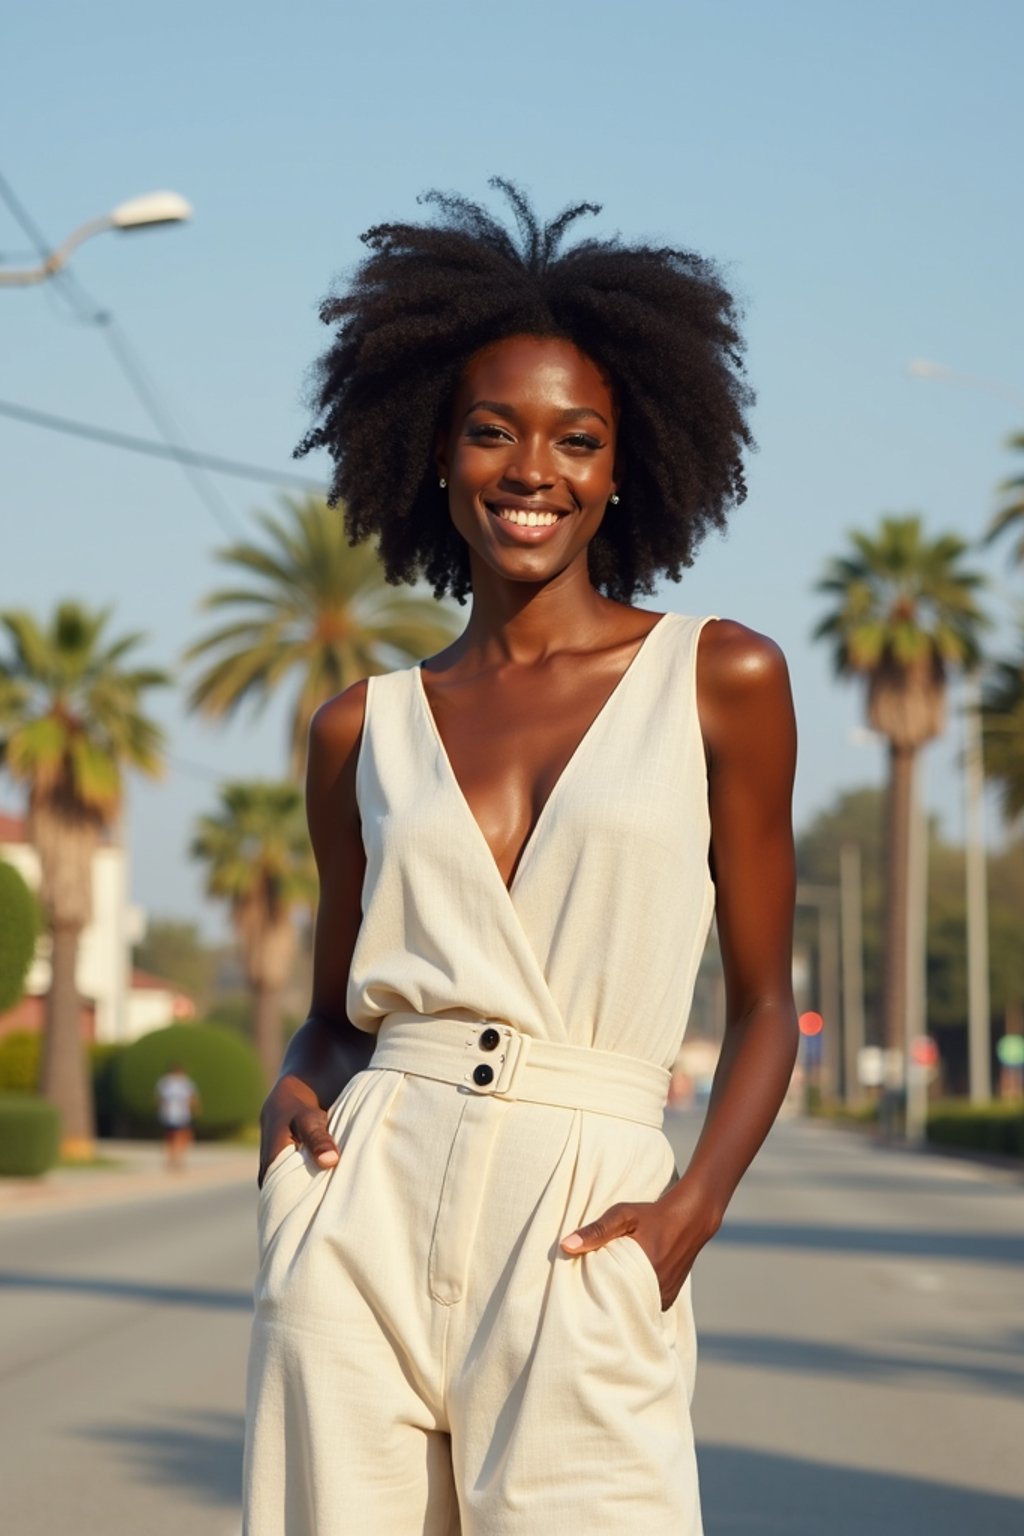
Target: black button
{"type": "Point", "coordinates": [483, 1075]}
{"type": "Point", "coordinates": [489, 1040]}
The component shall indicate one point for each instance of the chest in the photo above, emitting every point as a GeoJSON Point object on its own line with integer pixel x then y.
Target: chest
{"type": "Point", "coordinates": [509, 740]}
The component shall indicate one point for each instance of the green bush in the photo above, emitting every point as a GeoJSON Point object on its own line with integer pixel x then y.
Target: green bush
{"type": "Point", "coordinates": [20, 1054]}
{"type": "Point", "coordinates": [224, 1068]}
{"type": "Point", "coordinates": [29, 1135]}
{"type": "Point", "coordinates": [995, 1128]}
{"type": "Point", "coordinates": [19, 925]}
{"type": "Point", "coordinates": [103, 1058]}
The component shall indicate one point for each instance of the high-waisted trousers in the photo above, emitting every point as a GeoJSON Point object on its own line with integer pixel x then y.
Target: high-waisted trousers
{"type": "Point", "coordinates": [426, 1360]}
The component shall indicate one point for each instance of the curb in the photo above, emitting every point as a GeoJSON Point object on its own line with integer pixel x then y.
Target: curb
{"type": "Point", "coordinates": [135, 1178]}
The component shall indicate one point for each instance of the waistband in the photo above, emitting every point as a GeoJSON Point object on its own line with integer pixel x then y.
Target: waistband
{"type": "Point", "coordinates": [498, 1061]}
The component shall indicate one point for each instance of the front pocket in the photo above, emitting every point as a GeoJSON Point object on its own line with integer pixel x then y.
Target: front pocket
{"type": "Point", "coordinates": [276, 1167]}
{"type": "Point", "coordinates": [635, 1258]}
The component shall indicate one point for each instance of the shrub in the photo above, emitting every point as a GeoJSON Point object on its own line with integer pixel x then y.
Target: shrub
{"type": "Point", "coordinates": [29, 1135]}
{"type": "Point", "coordinates": [19, 925]}
{"type": "Point", "coordinates": [224, 1068]}
{"type": "Point", "coordinates": [995, 1128]}
{"type": "Point", "coordinates": [19, 1062]}
{"type": "Point", "coordinates": [103, 1058]}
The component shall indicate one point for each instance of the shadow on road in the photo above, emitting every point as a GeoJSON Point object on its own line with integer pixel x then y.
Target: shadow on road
{"type": "Point", "coordinates": [127, 1290]}
{"type": "Point", "coordinates": [200, 1456]}
{"type": "Point", "coordinates": [856, 1362]}
{"type": "Point", "coordinates": [968, 1247]}
{"type": "Point", "coordinates": [746, 1492]}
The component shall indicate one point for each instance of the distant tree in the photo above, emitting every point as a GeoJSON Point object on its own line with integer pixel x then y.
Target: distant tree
{"type": "Point", "coordinates": [1010, 517]}
{"type": "Point", "coordinates": [1002, 731]}
{"type": "Point", "coordinates": [71, 725]}
{"type": "Point", "coordinates": [312, 609]}
{"type": "Point", "coordinates": [175, 950]}
{"type": "Point", "coordinates": [258, 858]}
{"type": "Point", "coordinates": [19, 925]}
{"type": "Point", "coordinates": [905, 610]}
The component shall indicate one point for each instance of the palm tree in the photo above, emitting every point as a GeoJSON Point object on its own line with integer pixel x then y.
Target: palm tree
{"type": "Point", "coordinates": [316, 609]}
{"type": "Point", "coordinates": [71, 723]}
{"type": "Point", "coordinates": [1011, 513]}
{"type": "Point", "coordinates": [905, 611]}
{"type": "Point", "coordinates": [1002, 731]}
{"type": "Point", "coordinates": [258, 857]}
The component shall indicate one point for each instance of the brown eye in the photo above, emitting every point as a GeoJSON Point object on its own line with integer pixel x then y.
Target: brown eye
{"type": "Point", "coordinates": [487, 430]}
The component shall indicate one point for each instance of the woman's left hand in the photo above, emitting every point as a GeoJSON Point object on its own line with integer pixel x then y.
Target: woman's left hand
{"type": "Point", "coordinates": [671, 1231]}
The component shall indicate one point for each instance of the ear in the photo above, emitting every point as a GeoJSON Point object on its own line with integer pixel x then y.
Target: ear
{"type": "Point", "coordinates": [440, 455]}
{"type": "Point", "coordinates": [618, 475]}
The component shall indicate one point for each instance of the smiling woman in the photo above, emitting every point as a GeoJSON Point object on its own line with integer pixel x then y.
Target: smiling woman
{"type": "Point", "coordinates": [473, 1308]}
{"type": "Point", "coordinates": [657, 324]}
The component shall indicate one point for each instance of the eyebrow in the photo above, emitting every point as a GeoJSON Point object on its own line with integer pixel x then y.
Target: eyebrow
{"type": "Point", "coordinates": [571, 413]}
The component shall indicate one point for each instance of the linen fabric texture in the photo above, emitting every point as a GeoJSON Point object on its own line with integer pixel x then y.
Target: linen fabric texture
{"type": "Point", "coordinates": [425, 1359]}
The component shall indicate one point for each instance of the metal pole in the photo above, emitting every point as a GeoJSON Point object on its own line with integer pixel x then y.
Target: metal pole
{"type": "Point", "coordinates": [851, 907]}
{"type": "Point", "coordinates": [828, 963]}
{"type": "Point", "coordinates": [914, 1077]}
{"type": "Point", "coordinates": [979, 1027]}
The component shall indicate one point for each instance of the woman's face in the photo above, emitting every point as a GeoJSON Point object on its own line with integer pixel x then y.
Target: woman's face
{"type": "Point", "coordinates": [530, 455]}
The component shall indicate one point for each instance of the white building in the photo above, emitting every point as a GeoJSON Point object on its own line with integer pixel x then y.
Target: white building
{"type": "Point", "coordinates": [122, 1007]}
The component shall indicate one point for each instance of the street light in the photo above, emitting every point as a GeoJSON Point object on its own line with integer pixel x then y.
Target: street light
{"type": "Point", "coordinates": [137, 213]}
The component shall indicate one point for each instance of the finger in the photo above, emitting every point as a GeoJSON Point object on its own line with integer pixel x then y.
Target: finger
{"type": "Point", "coordinates": [616, 1222]}
{"type": "Point", "coordinates": [309, 1128]}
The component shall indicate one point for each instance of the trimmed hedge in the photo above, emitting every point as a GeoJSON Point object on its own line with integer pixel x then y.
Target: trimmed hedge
{"type": "Point", "coordinates": [224, 1068]}
{"type": "Point", "coordinates": [995, 1128]}
{"type": "Point", "coordinates": [29, 1135]}
{"type": "Point", "coordinates": [19, 925]}
{"type": "Point", "coordinates": [20, 1056]}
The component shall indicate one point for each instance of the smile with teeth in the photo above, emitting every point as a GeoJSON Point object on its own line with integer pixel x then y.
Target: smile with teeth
{"type": "Point", "coordinates": [526, 519]}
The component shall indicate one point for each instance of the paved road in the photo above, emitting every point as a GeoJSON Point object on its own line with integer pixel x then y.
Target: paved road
{"type": "Point", "coordinates": [862, 1369]}
{"type": "Point", "coordinates": [123, 1332]}
{"type": "Point", "coordinates": [861, 1316]}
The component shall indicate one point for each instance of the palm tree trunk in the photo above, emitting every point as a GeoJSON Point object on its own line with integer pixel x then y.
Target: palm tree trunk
{"type": "Point", "coordinates": [267, 1009]}
{"type": "Point", "coordinates": [65, 1078]}
{"type": "Point", "coordinates": [899, 808]}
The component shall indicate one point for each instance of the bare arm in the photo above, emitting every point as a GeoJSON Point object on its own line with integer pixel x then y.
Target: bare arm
{"type": "Point", "coordinates": [324, 1052]}
{"type": "Point", "coordinates": [747, 720]}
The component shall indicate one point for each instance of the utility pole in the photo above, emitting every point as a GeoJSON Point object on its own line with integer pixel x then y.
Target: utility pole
{"type": "Point", "coordinates": [915, 1080]}
{"type": "Point", "coordinates": [850, 910]}
{"type": "Point", "coordinates": [979, 1027]}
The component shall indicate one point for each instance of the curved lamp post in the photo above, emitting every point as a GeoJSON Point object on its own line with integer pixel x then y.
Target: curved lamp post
{"type": "Point", "coordinates": [137, 213]}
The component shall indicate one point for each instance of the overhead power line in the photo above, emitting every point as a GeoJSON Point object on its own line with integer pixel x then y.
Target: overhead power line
{"type": "Point", "coordinates": [193, 462]}
{"type": "Point", "coordinates": [131, 444]}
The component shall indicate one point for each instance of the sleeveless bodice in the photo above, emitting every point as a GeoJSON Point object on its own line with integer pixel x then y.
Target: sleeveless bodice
{"type": "Point", "coordinates": [598, 939]}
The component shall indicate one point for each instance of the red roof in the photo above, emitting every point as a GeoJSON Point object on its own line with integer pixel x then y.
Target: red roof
{"type": "Point", "coordinates": [145, 981]}
{"type": "Point", "coordinates": [12, 829]}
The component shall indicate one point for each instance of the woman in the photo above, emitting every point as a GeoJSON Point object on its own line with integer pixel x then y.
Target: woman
{"type": "Point", "coordinates": [473, 1305]}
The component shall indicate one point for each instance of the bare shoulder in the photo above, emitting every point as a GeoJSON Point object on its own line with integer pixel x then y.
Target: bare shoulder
{"type": "Point", "coordinates": [337, 725]}
{"type": "Point", "coordinates": [743, 690]}
{"type": "Point", "coordinates": [736, 661]}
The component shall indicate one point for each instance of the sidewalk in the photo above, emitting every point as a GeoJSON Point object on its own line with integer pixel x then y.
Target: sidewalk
{"type": "Point", "coordinates": [136, 1170]}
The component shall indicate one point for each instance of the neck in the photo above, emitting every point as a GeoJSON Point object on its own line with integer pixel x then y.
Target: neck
{"type": "Point", "coordinates": [521, 622]}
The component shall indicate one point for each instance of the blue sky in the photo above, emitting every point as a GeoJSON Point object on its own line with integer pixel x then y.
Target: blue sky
{"type": "Point", "coordinates": [854, 166]}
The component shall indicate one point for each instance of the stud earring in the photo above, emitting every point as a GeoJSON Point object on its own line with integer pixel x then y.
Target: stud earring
{"type": "Point", "coordinates": [443, 483]}
{"type": "Point", "coordinates": [614, 499]}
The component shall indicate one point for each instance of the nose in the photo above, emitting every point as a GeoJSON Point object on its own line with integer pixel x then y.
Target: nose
{"type": "Point", "coordinates": [530, 467]}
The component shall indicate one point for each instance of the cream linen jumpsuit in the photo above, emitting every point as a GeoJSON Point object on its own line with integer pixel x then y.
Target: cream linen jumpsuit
{"type": "Point", "coordinates": [425, 1359]}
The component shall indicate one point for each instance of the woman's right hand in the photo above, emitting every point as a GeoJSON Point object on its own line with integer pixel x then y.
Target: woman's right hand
{"type": "Point", "coordinates": [291, 1115]}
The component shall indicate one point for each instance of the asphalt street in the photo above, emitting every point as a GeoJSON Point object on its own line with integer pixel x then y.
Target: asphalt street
{"type": "Point", "coordinates": [862, 1352]}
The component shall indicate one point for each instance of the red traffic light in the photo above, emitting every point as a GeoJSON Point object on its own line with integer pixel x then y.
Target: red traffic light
{"type": "Point", "coordinates": [924, 1051]}
{"type": "Point", "coordinates": [811, 1023]}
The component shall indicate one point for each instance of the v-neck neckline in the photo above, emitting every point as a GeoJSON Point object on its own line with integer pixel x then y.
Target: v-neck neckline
{"type": "Point", "coordinates": [577, 751]}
